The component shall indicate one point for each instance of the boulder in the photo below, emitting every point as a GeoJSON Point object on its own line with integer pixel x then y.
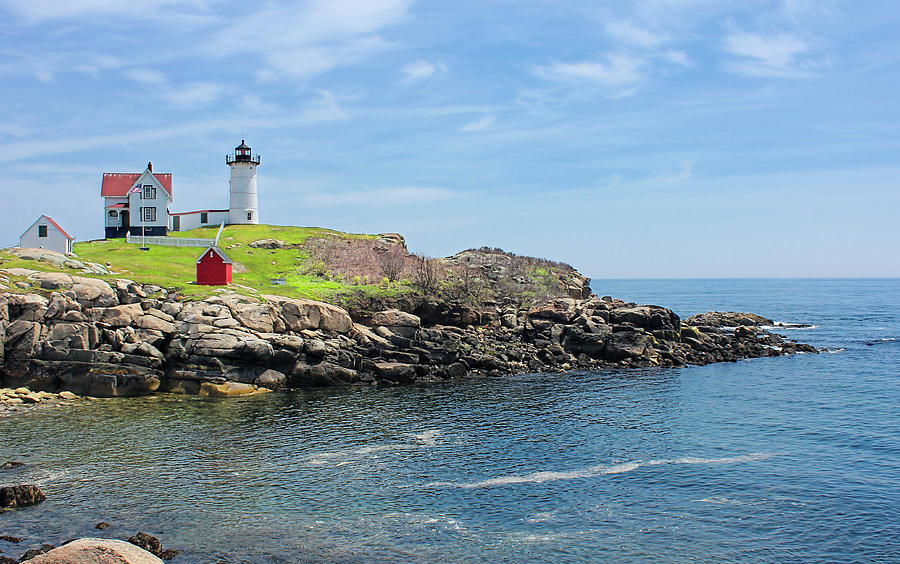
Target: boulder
{"type": "Point", "coordinates": [232, 343]}
{"type": "Point", "coordinates": [51, 280]}
{"type": "Point", "coordinates": [21, 496]}
{"type": "Point", "coordinates": [271, 379]}
{"type": "Point", "coordinates": [257, 317]}
{"type": "Point", "coordinates": [628, 344]}
{"type": "Point", "coordinates": [119, 316]}
{"type": "Point", "coordinates": [148, 542]}
{"type": "Point", "coordinates": [32, 552]}
{"type": "Point", "coordinates": [560, 309]}
{"type": "Point", "coordinates": [99, 379]}
{"type": "Point", "coordinates": [727, 319]}
{"type": "Point", "coordinates": [396, 318]}
{"type": "Point", "coordinates": [267, 244]}
{"type": "Point", "coordinates": [228, 390]}
{"type": "Point", "coordinates": [395, 371]}
{"type": "Point", "coordinates": [97, 551]}
{"type": "Point", "coordinates": [638, 316]}
{"type": "Point", "coordinates": [93, 292]}
{"type": "Point", "coordinates": [300, 314]}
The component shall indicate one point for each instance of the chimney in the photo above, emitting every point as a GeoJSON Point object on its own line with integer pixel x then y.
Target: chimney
{"type": "Point", "coordinates": [150, 167]}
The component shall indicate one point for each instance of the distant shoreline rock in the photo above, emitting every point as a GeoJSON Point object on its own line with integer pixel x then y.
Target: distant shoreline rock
{"type": "Point", "coordinates": [122, 338]}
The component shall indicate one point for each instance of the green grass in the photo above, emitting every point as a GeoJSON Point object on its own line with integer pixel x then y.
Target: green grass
{"type": "Point", "coordinates": [175, 267]}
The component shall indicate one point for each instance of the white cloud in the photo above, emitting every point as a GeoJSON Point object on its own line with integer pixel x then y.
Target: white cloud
{"type": "Point", "coordinates": [421, 69]}
{"type": "Point", "coordinates": [616, 70]}
{"type": "Point", "coordinates": [479, 124]}
{"type": "Point", "coordinates": [381, 197]}
{"type": "Point", "coordinates": [309, 39]}
{"type": "Point", "coordinates": [146, 76]}
{"type": "Point", "coordinates": [675, 57]}
{"type": "Point", "coordinates": [768, 55]}
{"type": "Point", "coordinates": [38, 10]}
{"type": "Point", "coordinates": [325, 109]}
{"type": "Point", "coordinates": [193, 95]}
{"type": "Point", "coordinates": [627, 32]}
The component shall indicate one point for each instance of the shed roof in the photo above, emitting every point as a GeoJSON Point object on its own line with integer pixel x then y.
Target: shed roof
{"type": "Point", "coordinates": [117, 184]}
{"type": "Point", "coordinates": [56, 225]}
{"type": "Point", "coordinates": [219, 252]}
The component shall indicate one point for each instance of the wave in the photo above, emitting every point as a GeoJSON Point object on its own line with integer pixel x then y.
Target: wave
{"type": "Point", "coordinates": [591, 471]}
{"type": "Point", "coordinates": [788, 325]}
{"type": "Point", "coordinates": [346, 456]}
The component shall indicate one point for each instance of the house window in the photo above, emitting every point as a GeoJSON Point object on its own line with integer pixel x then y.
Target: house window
{"type": "Point", "coordinates": [249, 216]}
{"type": "Point", "coordinates": [42, 230]}
{"type": "Point", "coordinates": [204, 217]}
{"type": "Point", "coordinates": [113, 214]}
{"type": "Point", "coordinates": [148, 214]}
{"type": "Point", "coordinates": [149, 192]}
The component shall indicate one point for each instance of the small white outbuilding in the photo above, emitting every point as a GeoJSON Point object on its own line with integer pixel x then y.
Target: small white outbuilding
{"type": "Point", "coordinates": [45, 233]}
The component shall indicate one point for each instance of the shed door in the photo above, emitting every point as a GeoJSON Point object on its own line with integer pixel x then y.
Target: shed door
{"type": "Point", "coordinates": [176, 223]}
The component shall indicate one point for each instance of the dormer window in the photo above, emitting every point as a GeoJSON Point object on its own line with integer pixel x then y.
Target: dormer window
{"type": "Point", "coordinates": [149, 192]}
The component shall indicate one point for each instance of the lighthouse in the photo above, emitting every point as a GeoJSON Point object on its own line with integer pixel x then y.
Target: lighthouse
{"type": "Point", "coordinates": [243, 203]}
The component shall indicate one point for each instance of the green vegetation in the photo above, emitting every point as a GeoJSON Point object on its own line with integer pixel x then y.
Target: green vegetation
{"type": "Point", "coordinates": [175, 267]}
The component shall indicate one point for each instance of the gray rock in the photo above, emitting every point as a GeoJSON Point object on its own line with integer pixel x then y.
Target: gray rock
{"type": "Point", "coordinates": [271, 379]}
{"type": "Point", "coordinates": [396, 318]}
{"type": "Point", "coordinates": [267, 244]}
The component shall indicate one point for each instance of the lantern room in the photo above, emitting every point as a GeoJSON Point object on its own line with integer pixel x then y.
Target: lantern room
{"type": "Point", "coordinates": [242, 154]}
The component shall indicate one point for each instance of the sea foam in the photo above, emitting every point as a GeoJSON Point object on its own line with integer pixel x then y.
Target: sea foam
{"type": "Point", "coordinates": [591, 471]}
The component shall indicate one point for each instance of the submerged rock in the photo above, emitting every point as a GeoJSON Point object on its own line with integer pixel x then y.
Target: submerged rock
{"type": "Point", "coordinates": [229, 390]}
{"type": "Point", "coordinates": [32, 553]}
{"type": "Point", "coordinates": [21, 496]}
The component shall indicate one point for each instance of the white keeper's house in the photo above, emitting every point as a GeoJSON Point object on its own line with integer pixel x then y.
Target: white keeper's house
{"type": "Point", "coordinates": [139, 201]}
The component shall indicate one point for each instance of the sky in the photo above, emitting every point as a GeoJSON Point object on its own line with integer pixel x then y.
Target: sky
{"type": "Point", "coordinates": [638, 139]}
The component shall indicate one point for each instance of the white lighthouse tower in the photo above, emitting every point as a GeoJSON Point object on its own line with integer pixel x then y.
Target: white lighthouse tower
{"type": "Point", "coordinates": [243, 203]}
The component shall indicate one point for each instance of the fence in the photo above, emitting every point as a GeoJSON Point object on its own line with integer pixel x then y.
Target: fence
{"type": "Point", "coordinates": [170, 241]}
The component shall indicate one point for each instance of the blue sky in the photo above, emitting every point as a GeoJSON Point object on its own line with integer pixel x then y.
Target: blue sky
{"type": "Point", "coordinates": [653, 138]}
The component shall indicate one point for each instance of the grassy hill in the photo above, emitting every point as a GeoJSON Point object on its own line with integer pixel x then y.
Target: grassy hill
{"type": "Point", "coordinates": [253, 270]}
{"type": "Point", "coordinates": [353, 270]}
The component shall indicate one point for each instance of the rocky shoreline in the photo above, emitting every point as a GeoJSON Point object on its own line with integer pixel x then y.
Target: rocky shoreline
{"type": "Point", "coordinates": [121, 338]}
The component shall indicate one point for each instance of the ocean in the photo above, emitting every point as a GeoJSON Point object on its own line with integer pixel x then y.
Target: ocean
{"type": "Point", "coordinates": [791, 459]}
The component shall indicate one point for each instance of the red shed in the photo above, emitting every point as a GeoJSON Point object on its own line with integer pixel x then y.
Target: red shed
{"type": "Point", "coordinates": [214, 268]}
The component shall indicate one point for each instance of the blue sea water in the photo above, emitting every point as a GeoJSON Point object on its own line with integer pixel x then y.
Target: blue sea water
{"type": "Point", "coordinates": [792, 459]}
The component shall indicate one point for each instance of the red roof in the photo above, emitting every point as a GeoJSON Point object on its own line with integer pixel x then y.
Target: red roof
{"type": "Point", "coordinates": [117, 184]}
{"type": "Point", "coordinates": [119, 205]}
{"type": "Point", "coordinates": [61, 230]}
{"type": "Point", "coordinates": [207, 255]}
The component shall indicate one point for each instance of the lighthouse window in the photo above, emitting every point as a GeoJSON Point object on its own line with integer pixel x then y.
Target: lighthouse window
{"type": "Point", "coordinates": [149, 193]}
{"type": "Point", "coordinates": [249, 216]}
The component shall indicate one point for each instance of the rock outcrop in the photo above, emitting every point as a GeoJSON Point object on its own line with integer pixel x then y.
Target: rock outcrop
{"type": "Point", "coordinates": [21, 496]}
{"type": "Point", "coordinates": [97, 551]}
{"type": "Point", "coordinates": [121, 338]}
